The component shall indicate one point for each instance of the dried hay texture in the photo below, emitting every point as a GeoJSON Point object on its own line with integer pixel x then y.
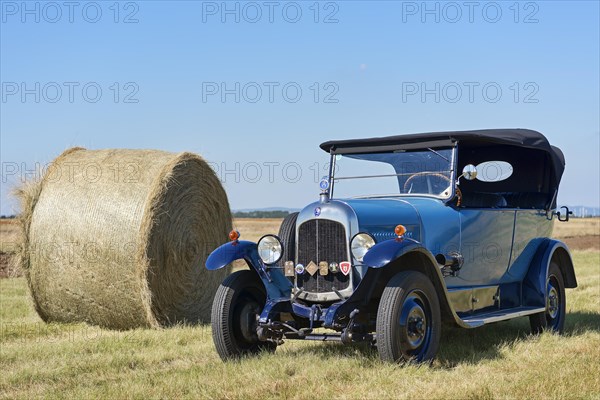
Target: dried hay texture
{"type": "Point", "coordinates": [119, 238]}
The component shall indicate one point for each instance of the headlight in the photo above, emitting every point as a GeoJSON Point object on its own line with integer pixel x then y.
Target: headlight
{"type": "Point", "coordinates": [270, 249]}
{"type": "Point", "coordinates": [361, 243]}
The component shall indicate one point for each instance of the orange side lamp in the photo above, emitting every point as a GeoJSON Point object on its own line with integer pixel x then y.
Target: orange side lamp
{"type": "Point", "coordinates": [400, 231]}
{"type": "Point", "coordinates": [234, 235]}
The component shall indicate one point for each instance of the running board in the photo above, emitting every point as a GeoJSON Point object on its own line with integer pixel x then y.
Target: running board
{"type": "Point", "coordinates": [500, 315]}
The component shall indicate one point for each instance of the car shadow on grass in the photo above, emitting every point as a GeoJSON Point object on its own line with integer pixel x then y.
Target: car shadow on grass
{"type": "Point", "coordinates": [459, 346]}
{"type": "Point", "coordinates": [578, 322]}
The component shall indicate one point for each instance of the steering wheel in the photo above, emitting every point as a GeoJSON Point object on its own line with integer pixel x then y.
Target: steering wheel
{"type": "Point", "coordinates": [421, 174]}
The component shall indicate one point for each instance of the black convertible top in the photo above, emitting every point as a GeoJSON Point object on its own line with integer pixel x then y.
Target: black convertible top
{"type": "Point", "coordinates": [524, 138]}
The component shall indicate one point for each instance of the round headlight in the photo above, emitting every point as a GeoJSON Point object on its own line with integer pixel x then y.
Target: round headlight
{"type": "Point", "coordinates": [361, 243]}
{"type": "Point", "coordinates": [270, 249]}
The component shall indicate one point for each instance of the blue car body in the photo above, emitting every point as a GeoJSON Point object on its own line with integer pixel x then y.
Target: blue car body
{"type": "Point", "coordinates": [499, 255]}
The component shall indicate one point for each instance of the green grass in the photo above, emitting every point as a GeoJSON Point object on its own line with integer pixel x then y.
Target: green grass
{"type": "Point", "coordinates": [497, 361]}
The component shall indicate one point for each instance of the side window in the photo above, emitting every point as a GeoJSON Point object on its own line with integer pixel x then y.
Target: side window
{"type": "Point", "coordinates": [494, 171]}
{"type": "Point", "coordinates": [505, 177]}
{"type": "Point", "coordinates": [484, 194]}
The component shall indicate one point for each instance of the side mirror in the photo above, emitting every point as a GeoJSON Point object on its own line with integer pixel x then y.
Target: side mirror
{"type": "Point", "coordinates": [469, 172]}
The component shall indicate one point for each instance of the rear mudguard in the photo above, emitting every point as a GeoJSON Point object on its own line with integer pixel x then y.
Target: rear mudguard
{"type": "Point", "coordinates": [277, 286]}
{"type": "Point", "coordinates": [534, 284]}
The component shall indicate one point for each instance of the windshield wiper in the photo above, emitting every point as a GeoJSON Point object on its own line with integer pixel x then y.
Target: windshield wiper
{"type": "Point", "coordinates": [435, 152]}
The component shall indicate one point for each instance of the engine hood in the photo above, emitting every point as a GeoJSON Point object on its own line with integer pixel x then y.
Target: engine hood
{"type": "Point", "coordinates": [377, 217]}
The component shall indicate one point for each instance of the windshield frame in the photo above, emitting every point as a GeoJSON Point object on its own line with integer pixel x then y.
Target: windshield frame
{"type": "Point", "coordinates": [453, 178]}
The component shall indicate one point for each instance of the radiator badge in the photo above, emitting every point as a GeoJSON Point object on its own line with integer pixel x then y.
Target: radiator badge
{"type": "Point", "coordinates": [289, 268]}
{"type": "Point", "coordinates": [323, 268]}
{"type": "Point", "coordinates": [299, 269]}
{"type": "Point", "coordinates": [311, 268]}
{"type": "Point", "coordinates": [324, 184]}
{"type": "Point", "coordinates": [333, 267]}
{"type": "Point", "coordinates": [317, 211]}
{"type": "Point", "coordinates": [345, 267]}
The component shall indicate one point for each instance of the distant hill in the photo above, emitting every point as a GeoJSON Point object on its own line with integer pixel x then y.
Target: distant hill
{"type": "Point", "coordinates": [289, 210]}
{"type": "Point", "coordinates": [272, 212]}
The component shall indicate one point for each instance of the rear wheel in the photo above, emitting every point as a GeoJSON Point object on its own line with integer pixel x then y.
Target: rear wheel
{"type": "Point", "coordinates": [553, 319]}
{"type": "Point", "coordinates": [408, 319]}
{"type": "Point", "coordinates": [238, 302]}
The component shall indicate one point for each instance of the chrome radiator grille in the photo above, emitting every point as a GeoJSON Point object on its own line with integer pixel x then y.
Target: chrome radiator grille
{"type": "Point", "coordinates": [322, 240]}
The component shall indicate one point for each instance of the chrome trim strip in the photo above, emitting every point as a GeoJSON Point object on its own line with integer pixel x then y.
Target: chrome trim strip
{"type": "Point", "coordinates": [338, 212]}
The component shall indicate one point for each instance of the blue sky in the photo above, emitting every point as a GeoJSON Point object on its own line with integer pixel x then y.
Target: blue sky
{"type": "Point", "coordinates": [303, 73]}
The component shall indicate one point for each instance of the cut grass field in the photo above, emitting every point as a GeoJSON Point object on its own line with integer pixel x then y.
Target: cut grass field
{"type": "Point", "coordinates": [501, 360]}
{"type": "Point", "coordinates": [496, 361]}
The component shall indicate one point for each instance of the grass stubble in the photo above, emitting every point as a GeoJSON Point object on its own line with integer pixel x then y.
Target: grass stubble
{"type": "Point", "coordinates": [497, 361]}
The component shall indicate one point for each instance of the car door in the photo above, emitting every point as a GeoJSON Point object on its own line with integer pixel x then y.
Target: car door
{"type": "Point", "coordinates": [485, 244]}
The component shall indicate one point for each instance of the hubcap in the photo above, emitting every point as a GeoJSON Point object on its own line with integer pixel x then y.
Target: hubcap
{"type": "Point", "coordinates": [417, 325]}
{"type": "Point", "coordinates": [413, 321]}
{"type": "Point", "coordinates": [248, 321]}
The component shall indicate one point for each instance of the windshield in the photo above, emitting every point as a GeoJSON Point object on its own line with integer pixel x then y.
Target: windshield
{"type": "Point", "coordinates": [395, 173]}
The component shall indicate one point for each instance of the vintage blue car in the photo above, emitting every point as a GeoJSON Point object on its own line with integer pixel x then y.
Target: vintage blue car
{"type": "Point", "coordinates": [399, 243]}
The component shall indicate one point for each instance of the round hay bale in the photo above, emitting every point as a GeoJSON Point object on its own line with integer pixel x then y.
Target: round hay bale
{"type": "Point", "coordinates": [119, 238]}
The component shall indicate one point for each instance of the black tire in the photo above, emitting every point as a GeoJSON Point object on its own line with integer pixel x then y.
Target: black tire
{"type": "Point", "coordinates": [409, 320]}
{"type": "Point", "coordinates": [287, 234]}
{"type": "Point", "coordinates": [237, 302]}
{"type": "Point", "coordinates": [553, 319]}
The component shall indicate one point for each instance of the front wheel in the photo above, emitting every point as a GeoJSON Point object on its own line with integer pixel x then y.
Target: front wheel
{"type": "Point", "coordinates": [238, 302]}
{"type": "Point", "coordinates": [408, 319]}
{"type": "Point", "coordinates": [553, 319]}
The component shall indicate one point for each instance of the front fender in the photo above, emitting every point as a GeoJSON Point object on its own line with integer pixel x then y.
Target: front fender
{"type": "Point", "coordinates": [277, 286]}
{"type": "Point", "coordinates": [387, 251]}
{"type": "Point", "coordinates": [229, 252]}
{"type": "Point", "coordinates": [384, 254]}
